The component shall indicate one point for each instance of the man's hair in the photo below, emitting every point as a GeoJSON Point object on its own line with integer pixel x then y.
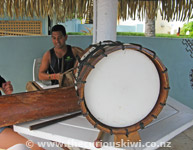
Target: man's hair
{"type": "Point", "coordinates": [59, 27]}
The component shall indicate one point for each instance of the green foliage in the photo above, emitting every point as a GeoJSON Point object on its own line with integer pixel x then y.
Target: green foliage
{"type": "Point", "coordinates": [140, 34]}
{"type": "Point", "coordinates": [191, 34]}
{"type": "Point", "coordinates": [76, 33]}
{"type": "Point", "coordinates": [156, 35]}
{"type": "Point", "coordinates": [187, 27]}
{"type": "Point", "coordinates": [173, 36]}
{"type": "Point", "coordinates": [130, 34]}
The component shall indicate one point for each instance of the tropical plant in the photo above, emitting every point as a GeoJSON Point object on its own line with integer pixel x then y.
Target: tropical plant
{"type": "Point", "coordinates": [187, 27]}
{"type": "Point", "coordinates": [89, 32]}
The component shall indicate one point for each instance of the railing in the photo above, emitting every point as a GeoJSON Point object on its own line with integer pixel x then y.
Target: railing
{"type": "Point", "coordinates": [9, 33]}
{"type": "Point", "coordinates": [20, 28]}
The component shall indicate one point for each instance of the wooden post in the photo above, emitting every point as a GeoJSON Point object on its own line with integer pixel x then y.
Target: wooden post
{"type": "Point", "coordinates": [105, 20]}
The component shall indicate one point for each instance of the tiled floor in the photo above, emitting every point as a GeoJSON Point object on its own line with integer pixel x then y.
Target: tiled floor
{"type": "Point", "coordinates": [183, 141]}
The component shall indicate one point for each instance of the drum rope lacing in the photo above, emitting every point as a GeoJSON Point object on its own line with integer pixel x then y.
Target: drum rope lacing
{"type": "Point", "coordinates": [142, 125]}
{"type": "Point", "coordinates": [97, 47]}
{"type": "Point", "coordinates": [84, 62]}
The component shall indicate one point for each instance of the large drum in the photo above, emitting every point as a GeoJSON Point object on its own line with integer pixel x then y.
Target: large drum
{"type": "Point", "coordinates": [121, 87]}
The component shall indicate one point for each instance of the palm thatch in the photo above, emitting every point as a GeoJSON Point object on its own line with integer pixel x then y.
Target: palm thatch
{"type": "Point", "coordinates": [40, 8]}
{"type": "Point", "coordinates": [179, 10]}
{"type": "Point", "coordinates": [136, 9]}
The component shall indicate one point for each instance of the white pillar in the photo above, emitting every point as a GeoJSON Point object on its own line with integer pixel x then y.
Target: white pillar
{"type": "Point", "coordinates": [105, 20]}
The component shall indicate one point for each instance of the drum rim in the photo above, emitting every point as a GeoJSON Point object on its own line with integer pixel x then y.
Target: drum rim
{"type": "Point", "coordinates": [161, 101]}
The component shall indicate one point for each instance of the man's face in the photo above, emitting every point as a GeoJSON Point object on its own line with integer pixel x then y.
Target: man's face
{"type": "Point", "coordinates": [58, 39]}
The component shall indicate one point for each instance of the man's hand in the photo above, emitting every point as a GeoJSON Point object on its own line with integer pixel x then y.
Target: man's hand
{"type": "Point", "coordinates": [7, 87]}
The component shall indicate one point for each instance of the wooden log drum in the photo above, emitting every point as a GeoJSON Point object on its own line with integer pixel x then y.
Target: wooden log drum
{"type": "Point", "coordinates": [23, 107]}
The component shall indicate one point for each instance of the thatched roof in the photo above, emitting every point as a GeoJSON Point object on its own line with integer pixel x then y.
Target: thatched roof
{"type": "Point", "coordinates": [170, 9]}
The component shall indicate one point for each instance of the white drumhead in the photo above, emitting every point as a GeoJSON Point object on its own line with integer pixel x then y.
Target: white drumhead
{"type": "Point", "coordinates": [122, 89]}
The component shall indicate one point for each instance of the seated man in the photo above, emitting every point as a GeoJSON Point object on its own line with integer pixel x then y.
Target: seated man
{"type": "Point", "coordinates": [60, 58]}
{"type": "Point", "coordinates": [8, 137]}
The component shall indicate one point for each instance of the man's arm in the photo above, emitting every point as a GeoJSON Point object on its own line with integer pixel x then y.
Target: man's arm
{"type": "Point", "coordinates": [43, 75]}
{"type": "Point", "coordinates": [77, 51]}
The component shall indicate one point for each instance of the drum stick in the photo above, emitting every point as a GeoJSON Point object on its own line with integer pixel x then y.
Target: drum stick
{"type": "Point", "coordinates": [50, 122]}
{"type": "Point", "coordinates": [98, 141]}
{"type": "Point", "coordinates": [37, 85]}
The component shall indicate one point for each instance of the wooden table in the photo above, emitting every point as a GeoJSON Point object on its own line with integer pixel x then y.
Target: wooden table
{"type": "Point", "coordinates": [78, 132]}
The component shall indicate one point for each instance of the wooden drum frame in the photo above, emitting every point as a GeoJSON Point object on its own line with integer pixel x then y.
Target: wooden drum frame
{"type": "Point", "coordinates": [87, 63]}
